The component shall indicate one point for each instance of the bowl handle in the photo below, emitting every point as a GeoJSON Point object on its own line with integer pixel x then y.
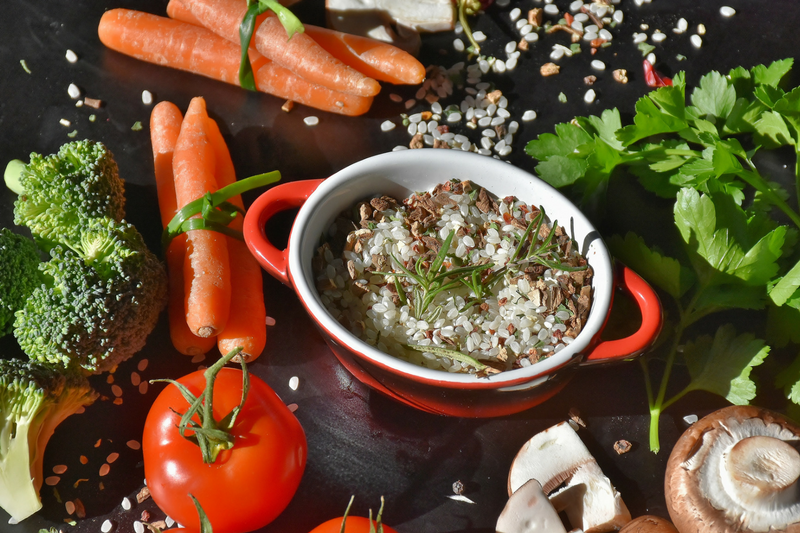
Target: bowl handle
{"type": "Point", "coordinates": [652, 320]}
{"type": "Point", "coordinates": [280, 198]}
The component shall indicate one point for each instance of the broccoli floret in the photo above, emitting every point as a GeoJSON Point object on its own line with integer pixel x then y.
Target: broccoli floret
{"type": "Point", "coordinates": [100, 299]}
{"type": "Point", "coordinates": [19, 274]}
{"type": "Point", "coordinates": [58, 192]}
{"type": "Point", "coordinates": [34, 400]}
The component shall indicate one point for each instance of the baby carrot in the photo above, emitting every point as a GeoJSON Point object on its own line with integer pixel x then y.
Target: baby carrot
{"type": "Point", "coordinates": [165, 125]}
{"type": "Point", "coordinates": [300, 54]}
{"type": "Point", "coordinates": [247, 322]}
{"type": "Point", "coordinates": [176, 44]}
{"type": "Point", "coordinates": [206, 270]}
{"type": "Point", "coordinates": [370, 57]}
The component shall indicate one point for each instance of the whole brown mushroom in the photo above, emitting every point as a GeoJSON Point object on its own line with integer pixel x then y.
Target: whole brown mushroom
{"type": "Point", "coordinates": [649, 524]}
{"type": "Point", "coordinates": [736, 471]}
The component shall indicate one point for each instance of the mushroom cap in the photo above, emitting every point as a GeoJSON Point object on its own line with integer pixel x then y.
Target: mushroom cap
{"type": "Point", "coordinates": [705, 496]}
{"type": "Point", "coordinates": [649, 524]}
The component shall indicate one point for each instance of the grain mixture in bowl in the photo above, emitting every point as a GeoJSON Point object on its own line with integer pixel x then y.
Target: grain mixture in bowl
{"type": "Point", "coordinates": [455, 279]}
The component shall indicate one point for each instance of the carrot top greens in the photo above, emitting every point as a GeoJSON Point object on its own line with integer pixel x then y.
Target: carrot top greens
{"type": "Point", "coordinates": [738, 255]}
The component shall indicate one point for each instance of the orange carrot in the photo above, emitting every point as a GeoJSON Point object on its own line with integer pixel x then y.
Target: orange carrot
{"type": "Point", "coordinates": [173, 43]}
{"type": "Point", "coordinates": [165, 125]}
{"type": "Point", "coordinates": [300, 54]}
{"type": "Point", "coordinates": [206, 270]}
{"type": "Point", "coordinates": [247, 323]}
{"type": "Point", "coordinates": [370, 57]}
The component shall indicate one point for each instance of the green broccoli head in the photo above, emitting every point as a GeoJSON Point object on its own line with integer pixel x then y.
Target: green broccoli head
{"type": "Point", "coordinates": [100, 299]}
{"type": "Point", "coordinates": [34, 400]}
{"type": "Point", "coordinates": [19, 274]}
{"type": "Point", "coordinates": [58, 192]}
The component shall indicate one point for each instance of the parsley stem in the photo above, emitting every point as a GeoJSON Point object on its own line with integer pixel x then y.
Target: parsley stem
{"type": "Point", "coordinates": [462, 18]}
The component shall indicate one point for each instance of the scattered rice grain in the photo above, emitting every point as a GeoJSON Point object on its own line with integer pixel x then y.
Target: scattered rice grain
{"type": "Point", "coordinates": [126, 504]}
{"type": "Point", "coordinates": [311, 121]}
{"type": "Point", "coordinates": [147, 97]}
{"type": "Point", "coordinates": [73, 91]}
{"type": "Point", "coordinates": [598, 65]}
{"type": "Point", "coordinates": [727, 11]}
{"type": "Point", "coordinates": [107, 526]}
{"type": "Point", "coordinates": [528, 115]}
{"type": "Point", "coordinates": [294, 382]}
{"type": "Point", "coordinates": [71, 56]}
{"type": "Point", "coordinates": [696, 41]}
{"type": "Point", "coordinates": [138, 527]}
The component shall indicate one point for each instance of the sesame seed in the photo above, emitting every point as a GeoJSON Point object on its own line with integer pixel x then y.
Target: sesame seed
{"type": "Point", "coordinates": [458, 45]}
{"type": "Point", "coordinates": [270, 321]}
{"type": "Point", "coordinates": [701, 29]}
{"type": "Point", "coordinates": [696, 40]}
{"type": "Point", "coordinates": [104, 470]}
{"type": "Point", "coordinates": [598, 65]}
{"type": "Point", "coordinates": [64, 122]}
{"type": "Point", "coordinates": [582, 17]}
{"type": "Point", "coordinates": [147, 97]}
{"type": "Point", "coordinates": [410, 103]}
{"type": "Point", "coordinates": [387, 125]}
{"type": "Point", "coordinates": [142, 365]}
{"type": "Point", "coordinates": [639, 38]}
{"type": "Point", "coordinates": [589, 96]}
{"type": "Point", "coordinates": [727, 11]}
{"type": "Point", "coordinates": [70, 507]}
{"type": "Point", "coordinates": [412, 129]}
{"type": "Point", "coordinates": [311, 121]}
{"type": "Point", "coordinates": [531, 37]}
{"type": "Point", "coordinates": [658, 36]}
{"type": "Point", "coordinates": [84, 459]}
{"type": "Point", "coordinates": [52, 481]}
{"type": "Point", "coordinates": [138, 527]}
{"type": "Point", "coordinates": [618, 16]}
{"type": "Point", "coordinates": [454, 117]}
{"type": "Point", "coordinates": [605, 35]}
{"type": "Point", "coordinates": [107, 526]}
{"type": "Point", "coordinates": [436, 108]}
{"type": "Point", "coordinates": [135, 379]}
{"type": "Point", "coordinates": [514, 14]}
{"type": "Point", "coordinates": [133, 444]}
{"type": "Point", "coordinates": [116, 390]}
{"type": "Point", "coordinates": [71, 56]}
{"type": "Point", "coordinates": [576, 5]}
{"type": "Point", "coordinates": [525, 30]}
{"type": "Point", "coordinates": [651, 58]}
{"type": "Point", "coordinates": [479, 36]}
{"type": "Point", "coordinates": [143, 387]}
{"type": "Point", "coordinates": [126, 504]}
{"type": "Point", "coordinates": [73, 91]}
{"type": "Point", "coordinates": [293, 406]}
{"type": "Point", "coordinates": [511, 46]}
{"type": "Point", "coordinates": [112, 457]}
{"type": "Point", "coordinates": [396, 98]}
{"type": "Point", "coordinates": [294, 382]}
{"type": "Point", "coordinates": [59, 469]}
{"type": "Point", "coordinates": [529, 115]}
{"type": "Point", "coordinates": [169, 521]}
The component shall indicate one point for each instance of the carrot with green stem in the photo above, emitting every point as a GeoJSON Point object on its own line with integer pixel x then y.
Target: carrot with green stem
{"type": "Point", "coordinates": [247, 323]}
{"type": "Point", "coordinates": [371, 57]}
{"type": "Point", "coordinates": [165, 126]}
{"type": "Point", "coordinates": [236, 21]}
{"type": "Point", "coordinates": [206, 269]}
{"type": "Point", "coordinates": [192, 48]}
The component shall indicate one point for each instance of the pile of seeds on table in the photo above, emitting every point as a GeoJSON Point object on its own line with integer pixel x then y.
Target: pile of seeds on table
{"type": "Point", "coordinates": [455, 279]}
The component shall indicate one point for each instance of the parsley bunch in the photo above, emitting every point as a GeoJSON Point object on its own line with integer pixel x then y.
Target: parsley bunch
{"type": "Point", "coordinates": [738, 256]}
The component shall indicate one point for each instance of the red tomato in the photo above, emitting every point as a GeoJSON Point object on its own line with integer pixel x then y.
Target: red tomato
{"type": "Point", "coordinates": [249, 485]}
{"type": "Point", "coordinates": [354, 524]}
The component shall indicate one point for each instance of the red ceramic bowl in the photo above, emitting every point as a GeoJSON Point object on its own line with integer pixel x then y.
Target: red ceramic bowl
{"type": "Point", "coordinates": [399, 174]}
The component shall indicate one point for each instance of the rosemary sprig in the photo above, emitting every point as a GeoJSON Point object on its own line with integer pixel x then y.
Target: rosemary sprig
{"type": "Point", "coordinates": [450, 354]}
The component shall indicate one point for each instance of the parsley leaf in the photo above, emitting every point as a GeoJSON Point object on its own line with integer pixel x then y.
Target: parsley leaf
{"type": "Point", "coordinates": [663, 271]}
{"type": "Point", "coordinates": [715, 96]}
{"type": "Point", "coordinates": [722, 365]}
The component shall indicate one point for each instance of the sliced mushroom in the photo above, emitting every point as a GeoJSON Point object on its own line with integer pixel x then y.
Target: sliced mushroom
{"type": "Point", "coordinates": [649, 524]}
{"type": "Point", "coordinates": [528, 510]}
{"type": "Point", "coordinates": [736, 470]}
{"type": "Point", "coordinates": [571, 478]}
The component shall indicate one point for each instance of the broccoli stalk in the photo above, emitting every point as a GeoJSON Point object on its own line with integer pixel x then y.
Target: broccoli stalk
{"type": "Point", "coordinates": [34, 400]}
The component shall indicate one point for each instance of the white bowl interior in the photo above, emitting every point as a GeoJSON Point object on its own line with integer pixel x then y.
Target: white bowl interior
{"type": "Point", "coordinates": [399, 174]}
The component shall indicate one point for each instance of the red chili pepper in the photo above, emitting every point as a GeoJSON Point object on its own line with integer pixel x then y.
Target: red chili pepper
{"type": "Point", "coordinates": [653, 78]}
{"type": "Point", "coordinates": [569, 18]}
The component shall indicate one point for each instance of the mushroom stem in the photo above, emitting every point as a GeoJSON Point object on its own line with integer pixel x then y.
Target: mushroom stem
{"type": "Point", "coordinates": [763, 468]}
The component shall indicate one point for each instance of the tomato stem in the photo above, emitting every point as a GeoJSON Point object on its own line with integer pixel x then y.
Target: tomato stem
{"type": "Point", "coordinates": [211, 435]}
